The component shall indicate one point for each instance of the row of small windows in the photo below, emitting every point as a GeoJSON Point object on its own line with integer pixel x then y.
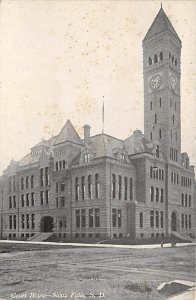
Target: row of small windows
{"type": "Point", "coordinates": [27, 221]}
{"type": "Point", "coordinates": [89, 193]}
{"type": "Point", "coordinates": [157, 58]}
{"type": "Point", "coordinates": [173, 59]}
{"type": "Point", "coordinates": [59, 152]}
{"type": "Point", "coordinates": [44, 176]}
{"type": "Point", "coordinates": [186, 181]}
{"type": "Point", "coordinates": [186, 221]}
{"type": "Point", "coordinates": [27, 182]}
{"type": "Point", "coordinates": [27, 235]}
{"type": "Point", "coordinates": [156, 173]}
{"type": "Point", "coordinates": [186, 200]}
{"type": "Point", "coordinates": [122, 188]}
{"type": "Point", "coordinates": [156, 194]}
{"type": "Point", "coordinates": [89, 235]}
{"type": "Point", "coordinates": [28, 199]}
{"type": "Point", "coordinates": [93, 217]}
{"type": "Point", "coordinates": [12, 184]}
{"type": "Point", "coordinates": [60, 165]}
{"type": "Point", "coordinates": [156, 219]}
{"type": "Point", "coordinates": [174, 178]}
{"type": "Point", "coordinates": [173, 154]}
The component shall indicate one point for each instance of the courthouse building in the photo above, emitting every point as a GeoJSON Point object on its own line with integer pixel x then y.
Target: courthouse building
{"type": "Point", "coordinates": [104, 187]}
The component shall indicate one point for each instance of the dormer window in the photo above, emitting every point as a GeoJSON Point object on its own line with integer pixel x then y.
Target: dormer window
{"type": "Point", "coordinates": [87, 157]}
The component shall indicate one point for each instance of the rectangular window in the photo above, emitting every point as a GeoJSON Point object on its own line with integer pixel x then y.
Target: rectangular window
{"type": "Point", "coordinates": [62, 201]}
{"type": "Point", "coordinates": [97, 217]}
{"type": "Point", "coordinates": [126, 188]}
{"type": "Point", "coordinates": [162, 195]}
{"type": "Point", "coordinates": [57, 202]}
{"type": "Point", "coordinates": [22, 183]}
{"type": "Point", "coordinates": [27, 182]}
{"type": "Point", "coordinates": [119, 218]}
{"type": "Point", "coordinates": [83, 188]}
{"type": "Point", "coordinates": [162, 220]}
{"type": "Point", "coordinates": [27, 221]}
{"type": "Point", "coordinates": [10, 222]}
{"type": "Point", "coordinates": [62, 186]}
{"type": "Point", "coordinates": [10, 202]}
{"type": "Point", "coordinates": [41, 177]}
{"type": "Point", "coordinates": [189, 200]}
{"type": "Point", "coordinates": [152, 218]}
{"type": "Point", "coordinates": [33, 221]}
{"type": "Point", "coordinates": [91, 217]}
{"type": "Point", "coordinates": [22, 222]}
{"type": "Point", "coordinates": [41, 197]}
{"type": "Point", "coordinates": [57, 187]}
{"type": "Point", "coordinates": [113, 186]}
{"type": "Point", "coordinates": [113, 217]}
{"type": "Point", "coordinates": [83, 217]}
{"type": "Point", "coordinates": [32, 181]}
{"type": "Point", "coordinates": [189, 221]}
{"type": "Point", "coordinates": [155, 118]}
{"type": "Point", "coordinates": [182, 220]}
{"type": "Point", "coordinates": [22, 200]}
{"type": "Point", "coordinates": [32, 199]}
{"type": "Point", "coordinates": [157, 219]}
{"type": "Point", "coordinates": [89, 187]}
{"type": "Point", "coordinates": [87, 157]}
{"type": "Point", "coordinates": [119, 187]}
{"type": "Point", "coordinates": [97, 186]}
{"type": "Point", "coordinates": [77, 218]}
{"type": "Point", "coordinates": [47, 197]}
{"type": "Point", "coordinates": [131, 189]}
{"type": "Point", "coordinates": [186, 224]}
{"type": "Point", "coordinates": [150, 105]}
{"type": "Point", "coordinates": [47, 178]}
{"type": "Point", "coordinates": [57, 167]}
{"type": "Point", "coordinates": [160, 133]}
{"type": "Point", "coordinates": [160, 102]}
{"type": "Point", "coordinates": [27, 199]}
{"type": "Point", "coordinates": [77, 189]}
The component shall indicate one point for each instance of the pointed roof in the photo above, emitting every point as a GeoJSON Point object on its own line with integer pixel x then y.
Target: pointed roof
{"type": "Point", "coordinates": [68, 134]}
{"type": "Point", "coordinates": [160, 24]}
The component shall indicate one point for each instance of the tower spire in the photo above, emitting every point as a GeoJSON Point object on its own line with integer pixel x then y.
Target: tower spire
{"type": "Point", "coordinates": [161, 5]}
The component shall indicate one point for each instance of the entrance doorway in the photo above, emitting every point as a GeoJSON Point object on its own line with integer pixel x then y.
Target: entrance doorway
{"type": "Point", "coordinates": [47, 224]}
{"type": "Point", "coordinates": [174, 221]}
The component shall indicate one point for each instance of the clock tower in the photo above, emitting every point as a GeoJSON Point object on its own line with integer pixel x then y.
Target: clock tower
{"type": "Point", "coordinates": [161, 71]}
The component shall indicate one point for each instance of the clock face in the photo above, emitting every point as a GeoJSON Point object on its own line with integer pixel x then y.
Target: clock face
{"type": "Point", "coordinates": [172, 82]}
{"type": "Point", "coordinates": [155, 82]}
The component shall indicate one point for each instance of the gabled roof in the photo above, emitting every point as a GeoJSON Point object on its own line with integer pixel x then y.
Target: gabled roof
{"type": "Point", "coordinates": [68, 134]}
{"type": "Point", "coordinates": [40, 144]}
{"type": "Point", "coordinates": [160, 24]}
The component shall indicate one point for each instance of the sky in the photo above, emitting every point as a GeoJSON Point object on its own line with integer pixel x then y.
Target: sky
{"type": "Point", "coordinates": [59, 58]}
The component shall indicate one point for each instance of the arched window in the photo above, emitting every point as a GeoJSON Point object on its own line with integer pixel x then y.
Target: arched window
{"type": "Point", "coordinates": [151, 171]}
{"type": "Point", "coordinates": [89, 187]}
{"type": "Point", "coordinates": [141, 220]}
{"type": "Point", "coordinates": [149, 61]}
{"type": "Point", "coordinates": [161, 56]}
{"type": "Point", "coordinates": [77, 189]}
{"type": "Point", "coordinates": [157, 195]}
{"type": "Point", "coordinates": [97, 186]}
{"type": "Point", "coordinates": [152, 193]}
{"type": "Point", "coordinates": [83, 187]}
{"type": "Point", "coordinates": [155, 59]}
{"type": "Point", "coordinates": [119, 187]}
{"type": "Point", "coordinates": [126, 186]}
{"type": "Point", "coordinates": [113, 186]}
{"type": "Point", "coordinates": [157, 151]}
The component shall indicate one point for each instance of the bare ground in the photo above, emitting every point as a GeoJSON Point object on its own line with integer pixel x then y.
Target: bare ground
{"type": "Point", "coordinates": [42, 272]}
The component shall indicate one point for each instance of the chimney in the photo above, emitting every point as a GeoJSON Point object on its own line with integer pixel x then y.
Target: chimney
{"type": "Point", "coordinates": [87, 130]}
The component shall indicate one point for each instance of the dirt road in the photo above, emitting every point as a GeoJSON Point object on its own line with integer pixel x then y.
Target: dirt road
{"type": "Point", "coordinates": [85, 273]}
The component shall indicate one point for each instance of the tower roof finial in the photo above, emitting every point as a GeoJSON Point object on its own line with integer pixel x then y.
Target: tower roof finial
{"type": "Point", "coordinates": [161, 4]}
